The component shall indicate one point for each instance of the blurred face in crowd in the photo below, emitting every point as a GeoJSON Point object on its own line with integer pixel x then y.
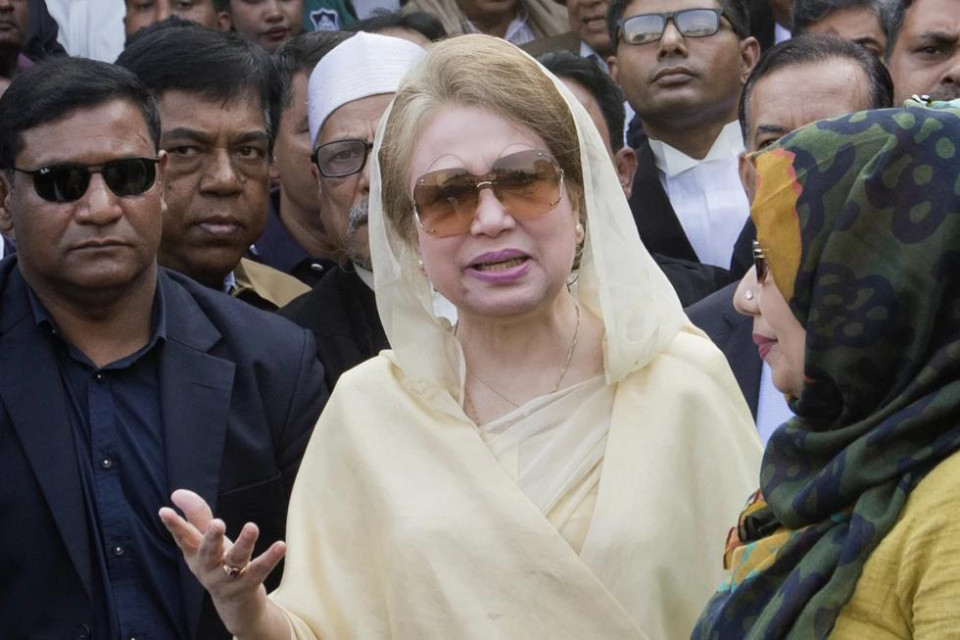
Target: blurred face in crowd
{"type": "Point", "coordinates": [13, 24]}
{"type": "Point", "coordinates": [857, 24]}
{"type": "Point", "coordinates": [679, 80]}
{"type": "Point", "coordinates": [624, 160]}
{"type": "Point", "coordinates": [217, 184]}
{"type": "Point", "coordinates": [483, 11]}
{"type": "Point", "coordinates": [926, 56]}
{"type": "Point", "coordinates": [269, 23]}
{"type": "Point", "coordinates": [343, 200]}
{"type": "Point", "coordinates": [588, 18]}
{"type": "Point", "coordinates": [795, 95]}
{"type": "Point", "coordinates": [101, 242]}
{"type": "Point", "coordinates": [143, 13]}
{"type": "Point", "coordinates": [292, 158]}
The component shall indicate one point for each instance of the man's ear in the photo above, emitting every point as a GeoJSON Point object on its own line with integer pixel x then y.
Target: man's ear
{"type": "Point", "coordinates": [612, 65]}
{"type": "Point", "coordinates": [162, 180]}
{"type": "Point", "coordinates": [224, 21]}
{"type": "Point", "coordinates": [626, 162]}
{"type": "Point", "coordinates": [748, 176]}
{"type": "Point", "coordinates": [749, 54]}
{"type": "Point", "coordinates": [6, 217]}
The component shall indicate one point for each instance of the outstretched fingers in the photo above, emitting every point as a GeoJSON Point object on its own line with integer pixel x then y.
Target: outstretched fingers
{"type": "Point", "coordinates": [186, 535]}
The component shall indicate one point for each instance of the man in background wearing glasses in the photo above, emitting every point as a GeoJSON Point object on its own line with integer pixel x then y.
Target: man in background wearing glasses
{"type": "Point", "coordinates": [348, 92]}
{"type": "Point", "coordinates": [121, 381]}
{"type": "Point", "coordinates": [682, 65]}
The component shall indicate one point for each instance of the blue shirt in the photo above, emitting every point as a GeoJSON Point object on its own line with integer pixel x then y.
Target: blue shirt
{"type": "Point", "coordinates": [276, 248]}
{"type": "Point", "coordinates": [118, 436]}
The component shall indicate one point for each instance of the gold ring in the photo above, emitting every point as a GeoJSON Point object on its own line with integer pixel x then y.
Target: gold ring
{"type": "Point", "coordinates": [234, 572]}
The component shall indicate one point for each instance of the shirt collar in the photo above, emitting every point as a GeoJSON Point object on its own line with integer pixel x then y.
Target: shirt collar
{"type": "Point", "coordinates": [158, 316]}
{"type": "Point", "coordinates": [364, 274]}
{"type": "Point", "coordinates": [229, 283]}
{"type": "Point", "coordinates": [673, 162]}
{"type": "Point", "coordinates": [586, 51]}
{"type": "Point", "coordinates": [515, 30]}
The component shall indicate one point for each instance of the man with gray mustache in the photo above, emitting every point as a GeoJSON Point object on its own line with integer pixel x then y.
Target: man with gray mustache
{"type": "Point", "coordinates": [349, 90]}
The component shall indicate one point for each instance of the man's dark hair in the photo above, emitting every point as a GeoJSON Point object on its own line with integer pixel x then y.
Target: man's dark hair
{"type": "Point", "coordinates": [897, 14]}
{"type": "Point", "coordinates": [588, 74]}
{"type": "Point", "coordinates": [733, 10]}
{"type": "Point", "coordinates": [51, 90]}
{"type": "Point", "coordinates": [813, 49]}
{"type": "Point", "coordinates": [218, 66]}
{"type": "Point", "coordinates": [422, 22]}
{"type": "Point", "coordinates": [809, 12]}
{"type": "Point", "coordinates": [301, 54]}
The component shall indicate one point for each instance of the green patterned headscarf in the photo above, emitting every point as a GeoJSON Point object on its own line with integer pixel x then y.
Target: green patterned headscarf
{"type": "Point", "coordinates": [859, 218]}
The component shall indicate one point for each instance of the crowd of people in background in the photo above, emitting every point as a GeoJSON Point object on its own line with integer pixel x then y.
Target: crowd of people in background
{"type": "Point", "coordinates": [479, 319]}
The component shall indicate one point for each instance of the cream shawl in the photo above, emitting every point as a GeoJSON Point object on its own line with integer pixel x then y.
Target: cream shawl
{"type": "Point", "coordinates": [403, 524]}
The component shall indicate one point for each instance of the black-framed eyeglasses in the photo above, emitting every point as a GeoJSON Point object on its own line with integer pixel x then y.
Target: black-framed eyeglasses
{"type": "Point", "coordinates": [69, 181]}
{"type": "Point", "coordinates": [760, 262]}
{"type": "Point", "coordinates": [341, 158]}
{"type": "Point", "coordinates": [691, 23]}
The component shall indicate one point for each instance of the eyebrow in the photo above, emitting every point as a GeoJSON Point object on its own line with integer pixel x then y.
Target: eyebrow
{"type": "Point", "coordinates": [770, 128]}
{"type": "Point", "coordinates": [186, 133]}
{"type": "Point", "coordinates": [939, 37]}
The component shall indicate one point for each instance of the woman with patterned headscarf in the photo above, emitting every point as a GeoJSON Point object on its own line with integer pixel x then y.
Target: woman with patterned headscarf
{"type": "Point", "coordinates": [856, 305]}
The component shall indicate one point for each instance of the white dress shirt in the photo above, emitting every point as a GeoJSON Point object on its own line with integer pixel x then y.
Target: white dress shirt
{"type": "Point", "coordinates": [90, 28]}
{"type": "Point", "coordinates": [706, 194]}
{"type": "Point", "coordinates": [772, 409]}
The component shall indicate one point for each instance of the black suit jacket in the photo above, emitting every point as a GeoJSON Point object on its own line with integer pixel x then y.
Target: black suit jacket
{"type": "Point", "coordinates": [240, 391]}
{"type": "Point", "coordinates": [656, 220]}
{"type": "Point", "coordinates": [732, 332]}
{"type": "Point", "coordinates": [341, 311]}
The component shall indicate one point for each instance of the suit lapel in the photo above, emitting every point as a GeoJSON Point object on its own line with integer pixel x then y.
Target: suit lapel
{"type": "Point", "coordinates": [195, 390]}
{"type": "Point", "coordinates": [657, 223]}
{"type": "Point", "coordinates": [32, 392]}
{"type": "Point", "coordinates": [742, 353]}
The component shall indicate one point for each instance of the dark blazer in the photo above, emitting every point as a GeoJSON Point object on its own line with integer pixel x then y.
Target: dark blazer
{"type": "Point", "coordinates": [240, 392]}
{"type": "Point", "coordinates": [656, 220]}
{"type": "Point", "coordinates": [762, 23]}
{"type": "Point", "coordinates": [341, 311]}
{"type": "Point", "coordinates": [732, 332]}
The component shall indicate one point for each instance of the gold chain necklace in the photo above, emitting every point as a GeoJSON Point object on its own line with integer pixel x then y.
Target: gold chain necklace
{"type": "Point", "coordinates": [563, 371]}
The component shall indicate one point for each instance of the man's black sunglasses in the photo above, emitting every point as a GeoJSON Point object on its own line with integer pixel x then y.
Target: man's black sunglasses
{"type": "Point", "coordinates": [68, 182]}
{"type": "Point", "coordinates": [691, 23]}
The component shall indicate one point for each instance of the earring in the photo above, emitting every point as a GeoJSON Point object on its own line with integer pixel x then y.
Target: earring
{"type": "Point", "coordinates": [748, 294]}
{"type": "Point", "coordinates": [422, 270]}
{"type": "Point", "coordinates": [579, 232]}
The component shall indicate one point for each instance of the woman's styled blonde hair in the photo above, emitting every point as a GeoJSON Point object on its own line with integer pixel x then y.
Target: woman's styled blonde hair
{"type": "Point", "coordinates": [477, 71]}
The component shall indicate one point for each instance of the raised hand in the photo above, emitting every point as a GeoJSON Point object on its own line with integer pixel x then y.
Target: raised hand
{"type": "Point", "coordinates": [225, 568]}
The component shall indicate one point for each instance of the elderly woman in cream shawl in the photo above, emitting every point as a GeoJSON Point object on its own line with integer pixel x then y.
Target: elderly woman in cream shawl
{"type": "Point", "coordinates": [564, 461]}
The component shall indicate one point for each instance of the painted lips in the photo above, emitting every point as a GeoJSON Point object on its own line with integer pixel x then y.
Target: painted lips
{"type": "Point", "coordinates": [764, 344]}
{"type": "Point", "coordinates": [499, 266]}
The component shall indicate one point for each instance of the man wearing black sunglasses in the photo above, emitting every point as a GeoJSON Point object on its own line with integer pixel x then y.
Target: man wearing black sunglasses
{"type": "Point", "coordinates": [682, 65]}
{"type": "Point", "coordinates": [121, 381]}
{"type": "Point", "coordinates": [218, 129]}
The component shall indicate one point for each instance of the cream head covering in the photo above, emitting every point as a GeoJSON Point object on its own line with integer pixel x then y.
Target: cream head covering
{"type": "Point", "coordinates": [361, 66]}
{"type": "Point", "coordinates": [618, 281]}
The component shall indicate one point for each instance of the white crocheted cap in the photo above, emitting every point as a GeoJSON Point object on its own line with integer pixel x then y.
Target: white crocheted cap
{"type": "Point", "coordinates": [364, 65]}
